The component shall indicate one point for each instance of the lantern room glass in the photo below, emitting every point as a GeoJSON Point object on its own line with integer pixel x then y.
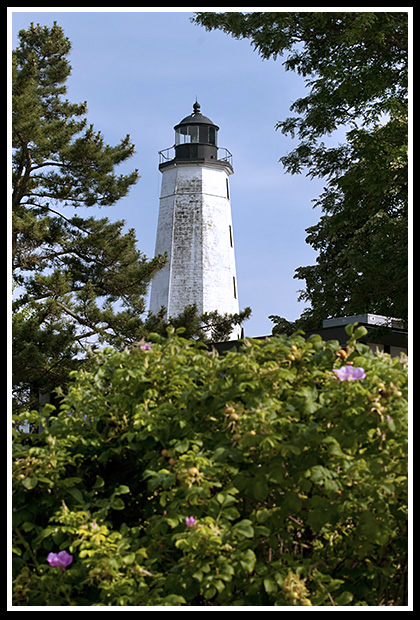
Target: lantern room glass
{"type": "Point", "coordinates": [202, 134]}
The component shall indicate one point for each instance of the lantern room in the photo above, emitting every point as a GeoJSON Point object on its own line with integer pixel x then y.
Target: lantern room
{"type": "Point", "coordinates": [196, 137]}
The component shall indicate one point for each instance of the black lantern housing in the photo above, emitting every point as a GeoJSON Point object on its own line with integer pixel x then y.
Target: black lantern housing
{"type": "Point", "coordinates": [196, 137]}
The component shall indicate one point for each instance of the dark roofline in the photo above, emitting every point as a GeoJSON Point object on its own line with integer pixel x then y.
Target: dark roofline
{"type": "Point", "coordinates": [379, 335]}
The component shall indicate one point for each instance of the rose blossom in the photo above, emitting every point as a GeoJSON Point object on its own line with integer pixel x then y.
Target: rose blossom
{"type": "Point", "coordinates": [349, 373]}
{"type": "Point", "coordinates": [61, 559]}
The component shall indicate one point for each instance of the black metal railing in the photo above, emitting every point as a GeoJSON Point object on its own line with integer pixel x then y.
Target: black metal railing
{"type": "Point", "coordinates": [168, 154]}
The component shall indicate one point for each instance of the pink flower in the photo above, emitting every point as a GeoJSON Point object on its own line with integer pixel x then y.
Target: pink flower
{"type": "Point", "coordinates": [190, 521]}
{"type": "Point", "coordinates": [145, 347]}
{"type": "Point", "coordinates": [61, 559]}
{"type": "Point", "coordinates": [348, 373]}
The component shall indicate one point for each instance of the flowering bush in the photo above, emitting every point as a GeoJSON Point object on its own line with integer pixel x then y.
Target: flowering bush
{"type": "Point", "coordinates": [172, 476]}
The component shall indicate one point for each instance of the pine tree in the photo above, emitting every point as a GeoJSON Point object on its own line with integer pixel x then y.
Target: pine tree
{"type": "Point", "coordinates": [78, 280]}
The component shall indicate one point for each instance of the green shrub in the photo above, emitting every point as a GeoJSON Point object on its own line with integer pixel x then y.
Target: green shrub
{"type": "Point", "coordinates": [175, 476]}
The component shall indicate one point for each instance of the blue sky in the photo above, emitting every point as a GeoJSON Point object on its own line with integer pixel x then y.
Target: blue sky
{"type": "Point", "coordinates": [140, 73]}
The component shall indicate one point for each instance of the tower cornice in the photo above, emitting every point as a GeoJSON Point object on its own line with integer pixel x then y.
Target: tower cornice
{"type": "Point", "coordinates": [211, 163]}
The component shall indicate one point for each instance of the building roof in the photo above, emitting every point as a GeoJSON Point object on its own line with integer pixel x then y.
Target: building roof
{"type": "Point", "coordinates": [365, 319]}
{"type": "Point", "coordinates": [196, 118]}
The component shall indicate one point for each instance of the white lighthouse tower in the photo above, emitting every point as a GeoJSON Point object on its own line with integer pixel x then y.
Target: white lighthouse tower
{"type": "Point", "coordinates": [195, 224]}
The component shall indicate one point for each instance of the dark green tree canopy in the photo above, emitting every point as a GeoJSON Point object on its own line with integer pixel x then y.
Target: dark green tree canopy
{"type": "Point", "coordinates": [355, 65]}
{"type": "Point", "coordinates": [78, 277]}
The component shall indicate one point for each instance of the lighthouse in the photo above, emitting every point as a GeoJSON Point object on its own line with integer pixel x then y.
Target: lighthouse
{"type": "Point", "coordinates": [195, 224]}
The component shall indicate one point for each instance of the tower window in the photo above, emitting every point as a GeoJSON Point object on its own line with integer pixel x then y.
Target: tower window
{"type": "Point", "coordinates": [227, 189]}
{"type": "Point", "coordinates": [234, 287]}
{"type": "Point", "coordinates": [230, 236]}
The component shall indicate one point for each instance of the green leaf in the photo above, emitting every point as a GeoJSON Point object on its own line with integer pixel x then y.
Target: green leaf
{"type": "Point", "coordinates": [225, 500]}
{"type": "Point", "coordinates": [182, 543]}
{"type": "Point", "coordinates": [231, 513]}
{"type": "Point", "coordinates": [219, 585]}
{"type": "Point", "coordinates": [30, 483]}
{"type": "Point", "coordinates": [345, 598]}
{"type": "Point", "coordinates": [118, 504]}
{"type": "Point", "coordinates": [318, 474]}
{"type": "Point", "coordinates": [76, 494]}
{"type": "Point", "coordinates": [121, 489]}
{"type": "Point", "coordinates": [350, 328]}
{"type": "Point", "coordinates": [99, 483]}
{"type": "Point", "coordinates": [173, 600]}
{"type": "Point", "coordinates": [247, 560]}
{"type": "Point", "coordinates": [115, 562]}
{"type": "Point", "coordinates": [182, 446]}
{"type": "Point", "coordinates": [198, 575]}
{"type": "Point", "coordinates": [359, 332]}
{"type": "Point", "coordinates": [244, 528]}
{"type": "Point", "coordinates": [270, 586]}
{"type": "Point", "coordinates": [226, 571]}
{"type": "Point", "coordinates": [210, 592]}
{"type": "Point", "coordinates": [129, 559]}
{"type": "Point", "coordinates": [27, 526]}
{"type": "Point", "coordinates": [334, 448]}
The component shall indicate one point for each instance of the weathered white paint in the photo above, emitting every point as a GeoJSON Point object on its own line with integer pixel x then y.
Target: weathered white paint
{"type": "Point", "coordinates": [195, 230]}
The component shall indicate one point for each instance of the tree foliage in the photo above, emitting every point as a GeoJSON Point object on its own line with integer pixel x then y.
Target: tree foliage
{"type": "Point", "coordinates": [355, 68]}
{"type": "Point", "coordinates": [174, 476]}
{"type": "Point", "coordinates": [75, 277]}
